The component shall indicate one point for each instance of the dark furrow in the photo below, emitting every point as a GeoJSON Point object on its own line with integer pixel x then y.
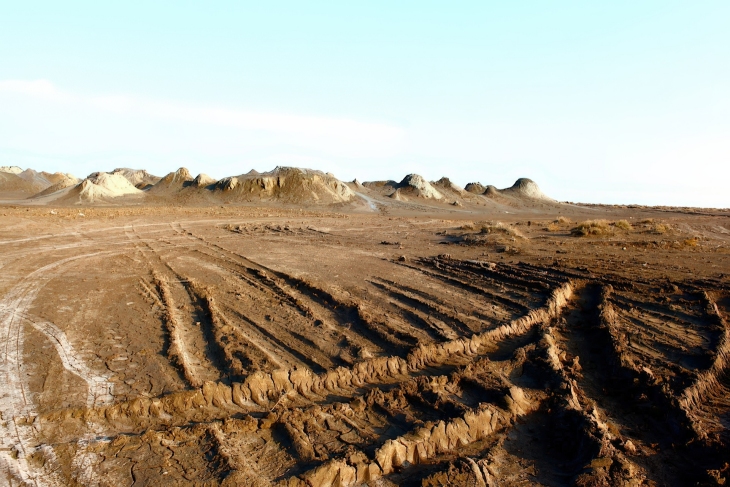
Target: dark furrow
{"type": "Point", "coordinates": [260, 280]}
{"type": "Point", "coordinates": [378, 333]}
{"type": "Point", "coordinates": [413, 300]}
{"type": "Point", "coordinates": [516, 276]}
{"type": "Point", "coordinates": [258, 277]}
{"type": "Point", "coordinates": [627, 393]}
{"type": "Point", "coordinates": [679, 317]}
{"type": "Point", "coordinates": [201, 315]}
{"type": "Point", "coordinates": [546, 274]}
{"type": "Point", "coordinates": [655, 331]}
{"type": "Point", "coordinates": [176, 350]}
{"type": "Point", "coordinates": [179, 352]}
{"type": "Point", "coordinates": [510, 304]}
{"type": "Point", "coordinates": [480, 321]}
{"type": "Point", "coordinates": [286, 334]}
{"type": "Point", "coordinates": [267, 332]}
{"type": "Point", "coordinates": [658, 347]}
{"type": "Point", "coordinates": [306, 345]}
{"type": "Point", "coordinates": [516, 292]}
{"type": "Point", "coordinates": [422, 322]}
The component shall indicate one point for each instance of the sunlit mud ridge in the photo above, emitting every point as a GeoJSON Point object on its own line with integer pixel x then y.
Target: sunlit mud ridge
{"type": "Point", "coordinates": [419, 446]}
{"type": "Point", "coordinates": [177, 349]}
{"type": "Point", "coordinates": [284, 398]}
{"type": "Point", "coordinates": [262, 389]}
{"type": "Point", "coordinates": [709, 383]}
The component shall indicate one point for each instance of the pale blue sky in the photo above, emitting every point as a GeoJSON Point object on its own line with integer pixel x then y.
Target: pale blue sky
{"type": "Point", "coordinates": [615, 102]}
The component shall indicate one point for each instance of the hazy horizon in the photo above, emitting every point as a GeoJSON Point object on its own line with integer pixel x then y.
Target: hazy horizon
{"type": "Point", "coordinates": [620, 103]}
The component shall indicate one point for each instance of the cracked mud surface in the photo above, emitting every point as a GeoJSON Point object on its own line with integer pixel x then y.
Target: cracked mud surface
{"type": "Point", "coordinates": [247, 346]}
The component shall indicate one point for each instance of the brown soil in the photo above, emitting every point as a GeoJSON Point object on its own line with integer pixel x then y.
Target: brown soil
{"type": "Point", "coordinates": [411, 345]}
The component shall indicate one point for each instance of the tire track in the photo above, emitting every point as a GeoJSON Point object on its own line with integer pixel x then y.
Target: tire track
{"type": "Point", "coordinates": [15, 401]}
{"type": "Point", "coordinates": [188, 345]}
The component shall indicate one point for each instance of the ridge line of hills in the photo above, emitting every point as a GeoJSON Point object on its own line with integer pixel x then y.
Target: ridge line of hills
{"type": "Point", "coordinates": [282, 184]}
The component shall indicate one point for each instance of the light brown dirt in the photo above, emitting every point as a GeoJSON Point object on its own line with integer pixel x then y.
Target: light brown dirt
{"type": "Point", "coordinates": [378, 344]}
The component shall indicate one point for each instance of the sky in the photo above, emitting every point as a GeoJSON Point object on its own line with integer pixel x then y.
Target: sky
{"type": "Point", "coordinates": [602, 102]}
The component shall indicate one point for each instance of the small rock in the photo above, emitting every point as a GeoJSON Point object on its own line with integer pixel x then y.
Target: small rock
{"type": "Point", "coordinates": [648, 371]}
{"type": "Point", "coordinates": [630, 447]}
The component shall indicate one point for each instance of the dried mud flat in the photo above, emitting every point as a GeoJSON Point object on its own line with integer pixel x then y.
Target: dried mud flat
{"type": "Point", "coordinates": [245, 346]}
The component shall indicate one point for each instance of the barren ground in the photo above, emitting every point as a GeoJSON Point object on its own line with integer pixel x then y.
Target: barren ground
{"type": "Point", "coordinates": [275, 346]}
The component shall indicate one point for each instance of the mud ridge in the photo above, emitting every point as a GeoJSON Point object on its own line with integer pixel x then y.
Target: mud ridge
{"type": "Point", "coordinates": [707, 381]}
{"type": "Point", "coordinates": [178, 350]}
{"type": "Point", "coordinates": [262, 390]}
{"type": "Point", "coordinates": [420, 445]}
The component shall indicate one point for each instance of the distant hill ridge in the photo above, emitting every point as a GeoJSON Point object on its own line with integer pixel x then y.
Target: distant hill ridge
{"type": "Point", "coordinates": [29, 182]}
{"type": "Point", "coordinates": [416, 186]}
{"type": "Point", "coordinates": [290, 185]}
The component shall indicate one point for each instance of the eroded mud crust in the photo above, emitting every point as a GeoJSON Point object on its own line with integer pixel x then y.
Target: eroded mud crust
{"type": "Point", "coordinates": [244, 346]}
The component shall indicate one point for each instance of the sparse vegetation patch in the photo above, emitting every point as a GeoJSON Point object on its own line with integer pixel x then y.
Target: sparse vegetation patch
{"type": "Point", "coordinates": [501, 228]}
{"type": "Point", "coordinates": [624, 225]}
{"type": "Point", "coordinates": [596, 228]}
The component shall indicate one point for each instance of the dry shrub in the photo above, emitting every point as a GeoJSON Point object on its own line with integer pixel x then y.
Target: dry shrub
{"type": "Point", "coordinates": [554, 225]}
{"type": "Point", "coordinates": [623, 225]}
{"type": "Point", "coordinates": [592, 228]}
{"type": "Point", "coordinates": [467, 226]}
{"type": "Point", "coordinates": [691, 242]}
{"type": "Point", "coordinates": [500, 227]}
{"type": "Point", "coordinates": [660, 228]}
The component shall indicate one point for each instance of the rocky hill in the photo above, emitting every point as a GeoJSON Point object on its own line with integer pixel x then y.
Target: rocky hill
{"type": "Point", "coordinates": [286, 184]}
